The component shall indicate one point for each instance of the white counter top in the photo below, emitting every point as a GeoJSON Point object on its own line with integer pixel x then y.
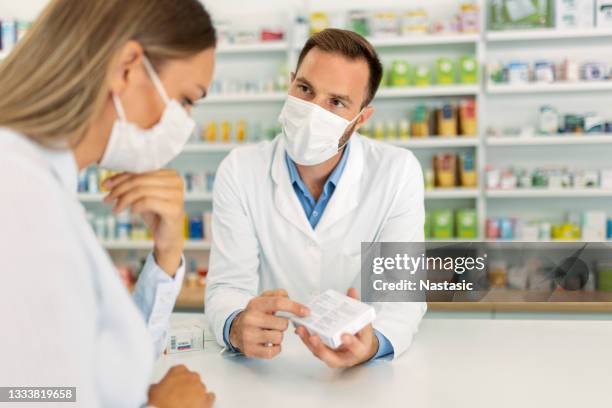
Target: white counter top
{"type": "Point", "coordinates": [452, 363]}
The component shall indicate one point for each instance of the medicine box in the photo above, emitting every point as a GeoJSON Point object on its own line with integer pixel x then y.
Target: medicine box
{"type": "Point", "coordinates": [603, 13]}
{"type": "Point", "coordinates": [185, 336]}
{"type": "Point", "coordinates": [466, 223]}
{"type": "Point", "coordinates": [333, 314]}
{"type": "Point", "coordinates": [574, 13]}
{"type": "Point", "coordinates": [468, 70]}
{"type": "Point", "coordinates": [516, 14]}
{"type": "Point", "coordinates": [442, 224]}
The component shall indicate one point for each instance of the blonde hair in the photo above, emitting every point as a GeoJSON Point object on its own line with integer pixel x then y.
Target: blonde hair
{"type": "Point", "coordinates": [55, 81]}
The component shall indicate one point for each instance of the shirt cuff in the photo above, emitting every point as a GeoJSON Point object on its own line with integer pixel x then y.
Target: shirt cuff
{"type": "Point", "coordinates": [155, 295]}
{"type": "Point", "coordinates": [226, 332]}
{"type": "Point", "coordinates": [385, 349]}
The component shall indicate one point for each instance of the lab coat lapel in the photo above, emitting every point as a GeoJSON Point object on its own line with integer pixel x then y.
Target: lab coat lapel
{"type": "Point", "coordinates": [346, 196]}
{"type": "Point", "coordinates": [285, 199]}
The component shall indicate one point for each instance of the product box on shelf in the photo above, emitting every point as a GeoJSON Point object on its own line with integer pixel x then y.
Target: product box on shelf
{"type": "Point", "coordinates": [574, 13]}
{"type": "Point", "coordinates": [520, 14]}
{"type": "Point", "coordinates": [603, 13]}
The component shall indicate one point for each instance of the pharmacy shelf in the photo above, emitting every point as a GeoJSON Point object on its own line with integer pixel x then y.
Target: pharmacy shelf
{"type": "Point", "coordinates": [212, 147]}
{"type": "Point", "coordinates": [558, 87]}
{"type": "Point", "coordinates": [189, 197]}
{"type": "Point", "coordinates": [550, 192]}
{"type": "Point", "coordinates": [436, 142]}
{"type": "Point", "coordinates": [413, 143]}
{"type": "Point", "coordinates": [546, 140]}
{"type": "Point", "coordinates": [262, 47]}
{"type": "Point", "coordinates": [243, 98]}
{"type": "Point", "coordinates": [427, 91]}
{"type": "Point", "coordinates": [547, 34]}
{"type": "Point", "coordinates": [451, 193]}
{"type": "Point", "coordinates": [190, 245]}
{"type": "Point", "coordinates": [424, 39]}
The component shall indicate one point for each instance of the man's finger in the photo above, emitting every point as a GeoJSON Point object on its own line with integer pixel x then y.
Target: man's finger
{"type": "Point", "coordinates": [275, 292]}
{"type": "Point", "coordinates": [352, 293]}
{"type": "Point", "coordinates": [266, 352]}
{"type": "Point", "coordinates": [325, 354]}
{"type": "Point", "coordinates": [283, 304]}
{"type": "Point", "coordinates": [354, 345]}
{"type": "Point", "coordinates": [268, 321]}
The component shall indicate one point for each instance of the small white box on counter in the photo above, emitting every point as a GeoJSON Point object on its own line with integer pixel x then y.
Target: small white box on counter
{"type": "Point", "coordinates": [333, 314]}
{"type": "Point", "coordinates": [185, 336]}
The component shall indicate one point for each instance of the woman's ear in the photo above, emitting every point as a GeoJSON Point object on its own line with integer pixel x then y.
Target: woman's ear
{"type": "Point", "coordinates": [127, 61]}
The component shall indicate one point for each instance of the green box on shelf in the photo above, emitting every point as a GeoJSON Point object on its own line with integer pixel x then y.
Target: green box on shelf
{"type": "Point", "coordinates": [422, 75]}
{"type": "Point", "coordinates": [468, 70]}
{"type": "Point", "coordinates": [427, 224]}
{"type": "Point", "coordinates": [445, 71]}
{"type": "Point", "coordinates": [442, 224]}
{"type": "Point", "coordinates": [466, 223]}
{"type": "Point", "coordinates": [520, 14]}
{"type": "Point", "coordinates": [399, 74]}
{"type": "Point", "coordinates": [604, 277]}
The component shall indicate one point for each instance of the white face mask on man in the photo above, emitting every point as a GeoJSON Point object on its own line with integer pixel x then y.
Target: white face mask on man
{"type": "Point", "coordinates": [312, 134]}
{"type": "Point", "coordinates": [133, 149]}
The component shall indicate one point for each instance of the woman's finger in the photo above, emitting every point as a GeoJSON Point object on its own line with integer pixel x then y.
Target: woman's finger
{"type": "Point", "coordinates": [138, 193]}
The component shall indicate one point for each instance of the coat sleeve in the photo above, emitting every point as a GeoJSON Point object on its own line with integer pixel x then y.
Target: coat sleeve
{"type": "Point", "coordinates": [234, 259]}
{"type": "Point", "coordinates": [399, 321]}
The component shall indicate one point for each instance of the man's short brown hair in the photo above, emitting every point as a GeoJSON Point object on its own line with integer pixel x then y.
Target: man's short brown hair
{"type": "Point", "coordinates": [352, 46]}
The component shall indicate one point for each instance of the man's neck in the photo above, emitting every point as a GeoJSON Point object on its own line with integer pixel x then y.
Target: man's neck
{"type": "Point", "coordinates": [315, 176]}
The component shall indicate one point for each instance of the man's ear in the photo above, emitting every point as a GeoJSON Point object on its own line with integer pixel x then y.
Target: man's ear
{"type": "Point", "coordinates": [127, 61]}
{"type": "Point", "coordinates": [368, 111]}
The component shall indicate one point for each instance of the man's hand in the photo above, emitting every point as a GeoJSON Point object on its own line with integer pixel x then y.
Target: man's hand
{"type": "Point", "coordinates": [355, 349]}
{"type": "Point", "coordinates": [256, 331]}
{"type": "Point", "coordinates": [159, 198]}
{"type": "Point", "coordinates": [180, 388]}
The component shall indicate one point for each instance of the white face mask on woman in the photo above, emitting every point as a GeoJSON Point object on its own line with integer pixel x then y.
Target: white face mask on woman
{"type": "Point", "coordinates": [131, 148]}
{"type": "Point", "coordinates": [312, 134]}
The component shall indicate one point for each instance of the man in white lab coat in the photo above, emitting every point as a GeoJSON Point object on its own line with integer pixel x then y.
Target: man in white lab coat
{"type": "Point", "coordinates": [290, 214]}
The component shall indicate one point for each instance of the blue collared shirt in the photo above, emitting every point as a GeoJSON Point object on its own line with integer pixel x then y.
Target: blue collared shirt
{"type": "Point", "coordinates": [314, 212]}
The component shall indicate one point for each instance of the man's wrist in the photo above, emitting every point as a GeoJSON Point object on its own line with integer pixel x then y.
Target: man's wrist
{"type": "Point", "coordinates": [234, 332]}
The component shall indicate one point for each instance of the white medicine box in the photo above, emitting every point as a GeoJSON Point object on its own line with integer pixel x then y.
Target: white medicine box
{"type": "Point", "coordinates": [333, 314]}
{"type": "Point", "coordinates": [574, 14]}
{"type": "Point", "coordinates": [603, 13]}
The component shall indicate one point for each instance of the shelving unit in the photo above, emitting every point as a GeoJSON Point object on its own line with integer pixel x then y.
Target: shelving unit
{"type": "Point", "coordinates": [548, 140]}
{"type": "Point", "coordinates": [425, 39]}
{"type": "Point", "coordinates": [549, 192]}
{"type": "Point", "coordinates": [117, 245]}
{"type": "Point", "coordinates": [485, 93]}
{"type": "Point", "coordinates": [558, 87]}
{"type": "Point", "coordinates": [189, 197]}
{"type": "Point", "coordinates": [427, 91]}
{"type": "Point", "coordinates": [263, 47]}
{"type": "Point", "coordinates": [547, 34]}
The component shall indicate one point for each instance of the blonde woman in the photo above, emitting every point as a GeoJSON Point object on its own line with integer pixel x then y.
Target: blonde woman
{"type": "Point", "coordinates": [108, 82]}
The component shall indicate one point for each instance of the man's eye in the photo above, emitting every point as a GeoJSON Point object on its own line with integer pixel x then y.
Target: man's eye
{"type": "Point", "coordinates": [337, 103]}
{"type": "Point", "coordinates": [304, 88]}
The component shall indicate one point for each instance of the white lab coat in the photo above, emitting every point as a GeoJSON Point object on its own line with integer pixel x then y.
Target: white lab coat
{"type": "Point", "coordinates": [263, 240]}
{"type": "Point", "coordinates": [67, 320]}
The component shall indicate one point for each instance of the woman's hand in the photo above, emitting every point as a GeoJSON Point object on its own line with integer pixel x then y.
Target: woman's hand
{"type": "Point", "coordinates": [180, 388]}
{"type": "Point", "coordinates": [159, 198]}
